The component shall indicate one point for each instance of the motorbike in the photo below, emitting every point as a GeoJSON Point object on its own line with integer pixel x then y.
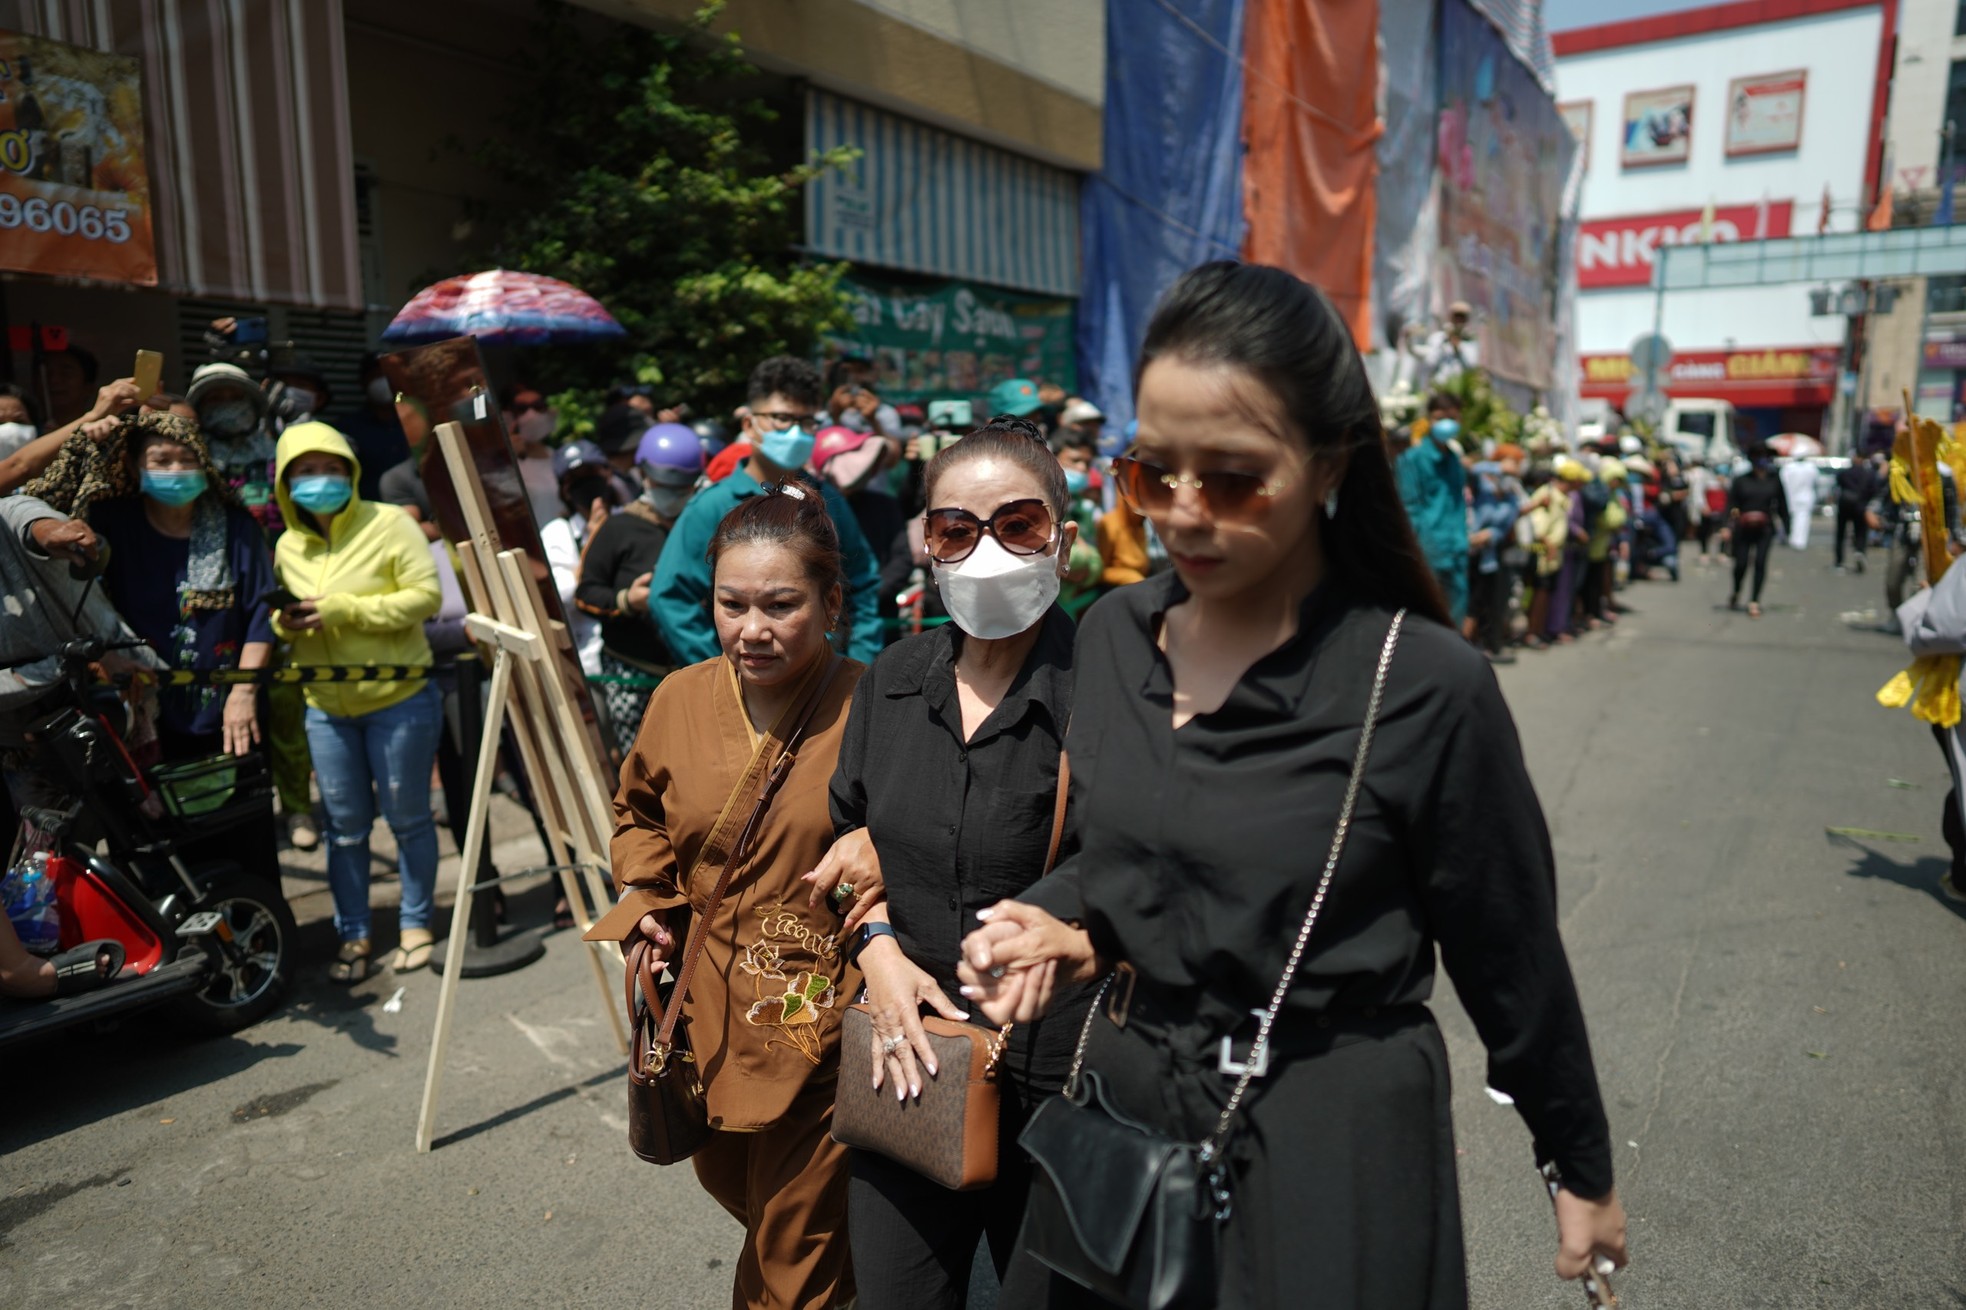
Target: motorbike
{"type": "Point", "coordinates": [207, 940]}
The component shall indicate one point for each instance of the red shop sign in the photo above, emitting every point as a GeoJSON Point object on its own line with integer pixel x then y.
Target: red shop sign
{"type": "Point", "coordinates": [1617, 252]}
{"type": "Point", "coordinates": [1780, 375]}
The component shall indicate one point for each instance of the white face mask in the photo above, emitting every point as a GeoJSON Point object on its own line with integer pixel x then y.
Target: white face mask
{"type": "Point", "coordinates": [994, 594]}
{"type": "Point", "coordinates": [536, 424]}
{"type": "Point", "coordinates": [15, 435]}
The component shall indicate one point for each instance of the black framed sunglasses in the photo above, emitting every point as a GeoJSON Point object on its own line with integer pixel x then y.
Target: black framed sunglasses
{"type": "Point", "coordinates": [1022, 527]}
{"type": "Point", "coordinates": [1228, 496]}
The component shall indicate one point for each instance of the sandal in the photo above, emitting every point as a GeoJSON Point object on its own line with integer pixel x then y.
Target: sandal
{"type": "Point", "coordinates": [562, 915]}
{"type": "Point", "coordinates": [1754, 609]}
{"type": "Point", "coordinates": [351, 963]}
{"type": "Point", "coordinates": [87, 967]}
{"type": "Point", "coordinates": [414, 950]}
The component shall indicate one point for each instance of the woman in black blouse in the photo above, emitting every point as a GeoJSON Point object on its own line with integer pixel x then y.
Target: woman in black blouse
{"type": "Point", "coordinates": [1220, 711]}
{"type": "Point", "coordinates": [944, 800]}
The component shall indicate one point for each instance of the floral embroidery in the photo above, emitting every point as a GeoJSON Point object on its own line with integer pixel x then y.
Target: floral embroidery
{"type": "Point", "coordinates": [762, 960]}
{"type": "Point", "coordinates": [795, 1012]}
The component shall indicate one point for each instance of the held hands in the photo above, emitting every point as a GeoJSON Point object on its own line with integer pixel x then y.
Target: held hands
{"type": "Point", "coordinates": [1014, 964]}
{"type": "Point", "coordinates": [896, 990]}
{"type": "Point", "coordinates": [1588, 1232]}
{"type": "Point", "coordinates": [852, 862]}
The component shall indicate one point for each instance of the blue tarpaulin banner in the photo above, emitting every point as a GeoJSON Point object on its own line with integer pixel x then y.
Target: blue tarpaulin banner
{"type": "Point", "coordinates": [1169, 195]}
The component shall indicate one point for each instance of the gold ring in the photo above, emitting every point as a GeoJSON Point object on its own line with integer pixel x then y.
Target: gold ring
{"type": "Point", "coordinates": [843, 893]}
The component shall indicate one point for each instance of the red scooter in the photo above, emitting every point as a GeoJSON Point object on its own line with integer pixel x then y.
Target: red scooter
{"type": "Point", "coordinates": [210, 940]}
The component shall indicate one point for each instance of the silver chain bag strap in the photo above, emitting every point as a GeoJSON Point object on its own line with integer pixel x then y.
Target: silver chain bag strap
{"type": "Point", "coordinates": [1122, 1209]}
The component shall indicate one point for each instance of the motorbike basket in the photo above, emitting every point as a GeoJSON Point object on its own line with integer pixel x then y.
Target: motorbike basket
{"type": "Point", "coordinates": [203, 790]}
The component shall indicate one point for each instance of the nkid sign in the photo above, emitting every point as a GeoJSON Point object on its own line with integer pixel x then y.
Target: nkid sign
{"type": "Point", "coordinates": [1617, 252]}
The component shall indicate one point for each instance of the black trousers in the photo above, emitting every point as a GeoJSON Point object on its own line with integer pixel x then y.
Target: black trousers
{"type": "Point", "coordinates": [1489, 603]}
{"type": "Point", "coordinates": [1851, 517]}
{"type": "Point", "coordinates": [1344, 1193]}
{"type": "Point", "coordinates": [1752, 548]}
{"type": "Point", "coordinates": [914, 1241]}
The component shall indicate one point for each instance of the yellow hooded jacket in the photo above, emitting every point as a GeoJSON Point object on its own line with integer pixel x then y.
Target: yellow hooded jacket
{"type": "Point", "coordinates": [373, 574]}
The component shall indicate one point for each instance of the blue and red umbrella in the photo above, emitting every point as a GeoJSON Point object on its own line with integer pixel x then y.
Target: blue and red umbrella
{"type": "Point", "coordinates": [502, 307]}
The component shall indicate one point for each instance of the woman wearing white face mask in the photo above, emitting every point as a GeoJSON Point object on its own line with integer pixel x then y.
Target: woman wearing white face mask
{"type": "Point", "coordinates": [947, 783]}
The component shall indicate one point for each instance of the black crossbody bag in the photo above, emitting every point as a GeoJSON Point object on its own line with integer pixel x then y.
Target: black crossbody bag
{"type": "Point", "coordinates": [1129, 1212]}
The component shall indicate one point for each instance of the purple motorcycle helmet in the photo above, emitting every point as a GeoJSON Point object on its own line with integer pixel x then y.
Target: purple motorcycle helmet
{"type": "Point", "coordinates": [670, 455]}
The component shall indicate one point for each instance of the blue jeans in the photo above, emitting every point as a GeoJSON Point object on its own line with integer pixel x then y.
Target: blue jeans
{"type": "Point", "coordinates": [386, 754]}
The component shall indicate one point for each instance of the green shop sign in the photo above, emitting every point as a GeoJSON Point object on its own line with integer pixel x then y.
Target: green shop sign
{"type": "Point", "coordinates": [955, 341]}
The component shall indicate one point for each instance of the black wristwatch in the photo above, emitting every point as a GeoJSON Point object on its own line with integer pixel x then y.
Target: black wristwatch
{"type": "Point", "coordinates": [868, 931]}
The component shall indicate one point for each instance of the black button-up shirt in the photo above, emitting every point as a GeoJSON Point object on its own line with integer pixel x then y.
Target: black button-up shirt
{"type": "Point", "coordinates": [1199, 849]}
{"type": "Point", "coordinates": [960, 825]}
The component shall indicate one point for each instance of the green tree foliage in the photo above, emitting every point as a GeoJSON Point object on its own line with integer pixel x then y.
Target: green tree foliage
{"type": "Point", "coordinates": [636, 165]}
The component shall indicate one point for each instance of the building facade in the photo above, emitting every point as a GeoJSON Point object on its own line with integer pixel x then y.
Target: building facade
{"type": "Point", "coordinates": [308, 161]}
{"type": "Point", "coordinates": [1728, 123]}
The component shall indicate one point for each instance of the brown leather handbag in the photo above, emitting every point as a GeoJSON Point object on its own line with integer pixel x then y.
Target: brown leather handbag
{"type": "Point", "coordinates": [949, 1133]}
{"type": "Point", "coordinates": [668, 1118]}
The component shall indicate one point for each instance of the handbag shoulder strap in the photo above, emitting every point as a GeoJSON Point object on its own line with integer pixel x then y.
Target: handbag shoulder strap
{"type": "Point", "coordinates": [767, 787]}
{"type": "Point", "coordinates": [1050, 861]}
{"type": "Point", "coordinates": [1212, 1146]}
{"type": "Point", "coordinates": [1058, 811]}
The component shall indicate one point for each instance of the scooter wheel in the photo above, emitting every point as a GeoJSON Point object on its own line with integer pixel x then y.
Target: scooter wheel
{"type": "Point", "coordinates": [254, 969]}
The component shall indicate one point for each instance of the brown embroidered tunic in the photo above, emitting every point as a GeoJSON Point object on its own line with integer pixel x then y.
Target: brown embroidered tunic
{"type": "Point", "coordinates": [764, 1007]}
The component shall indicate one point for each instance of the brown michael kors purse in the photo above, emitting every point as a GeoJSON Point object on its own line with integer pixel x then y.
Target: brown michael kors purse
{"type": "Point", "coordinates": [949, 1133]}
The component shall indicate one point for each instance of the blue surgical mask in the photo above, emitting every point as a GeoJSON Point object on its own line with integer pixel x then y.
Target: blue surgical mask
{"type": "Point", "coordinates": [173, 487]}
{"type": "Point", "coordinates": [323, 493]}
{"type": "Point", "coordinates": [1076, 481]}
{"type": "Point", "coordinates": [788, 448]}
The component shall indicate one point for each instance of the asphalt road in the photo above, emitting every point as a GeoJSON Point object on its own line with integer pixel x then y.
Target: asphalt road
{"type": "Point", "coordinates": [1770, 1008]}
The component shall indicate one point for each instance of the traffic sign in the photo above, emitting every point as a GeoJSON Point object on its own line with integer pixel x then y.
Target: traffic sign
{"type": "Point", "coordinates": [1651, 354]}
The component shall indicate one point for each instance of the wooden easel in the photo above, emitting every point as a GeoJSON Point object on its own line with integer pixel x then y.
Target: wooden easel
{"type": "Point", "coordinates": [529, 684]}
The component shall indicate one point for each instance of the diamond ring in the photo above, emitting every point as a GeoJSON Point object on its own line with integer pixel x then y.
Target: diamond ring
{"type": "Point", "coordinates": [889, 1045]}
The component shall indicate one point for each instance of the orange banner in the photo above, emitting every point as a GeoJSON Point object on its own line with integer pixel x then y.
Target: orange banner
{"type": "Point", "coordinates": [74, 193]}
{"type": "Point", "coordinates": [1310, 125]}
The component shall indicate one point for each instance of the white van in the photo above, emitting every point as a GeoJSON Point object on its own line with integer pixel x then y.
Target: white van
{"type": "Point", "coordinates": [1703, 429]}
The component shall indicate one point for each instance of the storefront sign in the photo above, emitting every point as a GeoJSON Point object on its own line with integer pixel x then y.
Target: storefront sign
{"type": "Point", "coordinates": [1617, 252]}
{"type": "Point", "coordinates": [74, 193]}
{"type": "Point", "coordinates": [956, 340]}
{"type": "Point", "coordinates": [1658, 127]}
{"type": "Point", "coordinates": [1945, 354]}
{"type": "Point", "coordinates": [1781, 375]}
{"type": "Point", "coordinates": [1764, 114]}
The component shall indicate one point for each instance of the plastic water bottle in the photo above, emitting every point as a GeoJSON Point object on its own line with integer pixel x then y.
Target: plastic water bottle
{"type": "Point", "coordinates": [31, 906]}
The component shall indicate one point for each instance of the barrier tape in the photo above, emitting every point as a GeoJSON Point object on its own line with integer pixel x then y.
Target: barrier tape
{"type": "Point", "coordinates": [302, 673]}
{"type": "Point", "coordinates": [309, 673]}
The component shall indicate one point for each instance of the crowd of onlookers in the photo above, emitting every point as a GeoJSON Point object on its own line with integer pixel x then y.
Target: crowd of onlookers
{"type": "Point", "coordinates": [242, 529]}
{"type": "Point", "coordinates": [1532, 543]}
{"type": "Point", "coordinates": [238, 527]}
